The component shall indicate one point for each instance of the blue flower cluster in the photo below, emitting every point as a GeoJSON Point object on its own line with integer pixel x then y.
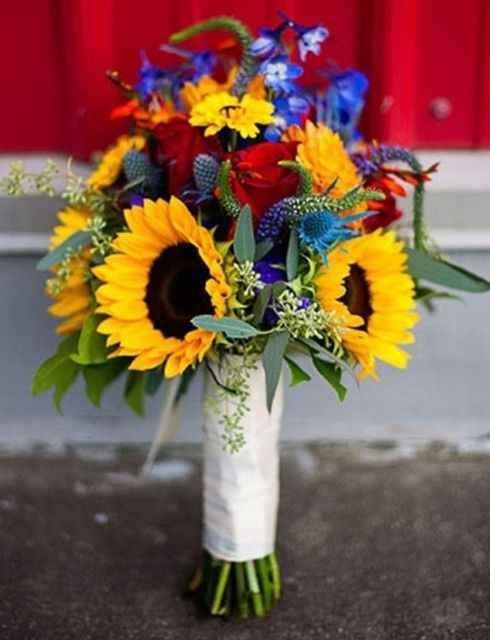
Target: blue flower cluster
{"type": "Point", "coordinates": [341, 105]}
{"type": "Point", "coordinates": [290, 101]}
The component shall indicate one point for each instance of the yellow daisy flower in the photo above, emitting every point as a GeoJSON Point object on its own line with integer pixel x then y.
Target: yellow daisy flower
{"type": "Point", "coordinates": [366, 284]}
{"type": "Point", "coordinates": [73, 300]}
{"type": "Point", "coordinates": [165, 271]}
{"type": "Point", "coordinates": [111, 163]}
{"type": "Point", "coordinates": [221, 110]}
{"type": "Point", "coordinates": [191, 94]}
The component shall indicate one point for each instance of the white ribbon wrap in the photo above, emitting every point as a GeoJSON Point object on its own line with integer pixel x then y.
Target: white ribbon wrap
{"type": "Point", "coordinates": [241, 490]}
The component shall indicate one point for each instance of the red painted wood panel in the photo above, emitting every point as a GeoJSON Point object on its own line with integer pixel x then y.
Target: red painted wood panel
{"type": "Point", "coordinates": [31, 109]}
{"type": "Point", "coordinates": [482, 124]}
{"type": "Point", "coordinates": [448, 61]}
{"type": "Point", "coordinates": [55, 53]}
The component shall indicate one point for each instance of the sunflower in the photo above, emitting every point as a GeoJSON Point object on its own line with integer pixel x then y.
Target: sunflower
{"type": "Point", "coordinates": [69, 288]}
{"type": "Point", "coordinates": [110, 165]}
{"type": "Point", "coordinates": [323, 153]}
{"type": "Point", "coordinates": [220, 110]}
{"type": "Point", "coordinates": [366, 284]}
{"type": "Point", "coordinates": [165, 271]}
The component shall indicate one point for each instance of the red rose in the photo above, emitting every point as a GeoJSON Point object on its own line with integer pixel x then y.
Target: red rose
{"type": "Point", "coordinates": [178, 144]}
{"type": "Point", "coordinates": [257, 180]}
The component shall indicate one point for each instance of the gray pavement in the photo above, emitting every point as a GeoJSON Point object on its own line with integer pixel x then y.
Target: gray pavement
{"type": "Point", "coordinates": [371, 548]}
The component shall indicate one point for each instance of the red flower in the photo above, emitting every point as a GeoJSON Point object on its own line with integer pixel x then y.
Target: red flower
{"type": "Point", "coordinates": [387, 210]}
{"type": "Point", "coordinates": [178, 144]}
{"type": "Point", "coordinates": [258, 180]}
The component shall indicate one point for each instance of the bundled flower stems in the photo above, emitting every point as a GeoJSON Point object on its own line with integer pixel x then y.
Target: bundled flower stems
{"type": "Point", "coordinates": [242, 224]}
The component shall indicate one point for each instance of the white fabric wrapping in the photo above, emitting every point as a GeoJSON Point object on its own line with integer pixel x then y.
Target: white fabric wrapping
{"type": "Point", "coordinates": [241, 490]}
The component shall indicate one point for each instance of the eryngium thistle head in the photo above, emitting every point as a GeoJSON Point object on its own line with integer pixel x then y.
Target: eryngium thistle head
{"type": "Point", "coordinates": [205, 169]}
{"type": "Point", "coordinates": [136, 167]}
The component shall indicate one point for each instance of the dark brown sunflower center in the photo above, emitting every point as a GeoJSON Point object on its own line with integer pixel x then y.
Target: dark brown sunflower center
{"type": "Point", "coordinates": [356, 296]}
{"type": "Point", "coordinates": [176, 290]}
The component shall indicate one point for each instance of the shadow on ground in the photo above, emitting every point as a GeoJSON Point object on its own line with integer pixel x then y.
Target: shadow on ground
{"type": "Point", "coordinates": [371, 549]}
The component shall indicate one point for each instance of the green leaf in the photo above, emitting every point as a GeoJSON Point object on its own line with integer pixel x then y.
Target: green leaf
{"type": "Point", "coordinates": [333, 375]}
{"type": "Point", "coordinates": [425, 294]}
{"type": "Point", "coordinates": [244, 243]}
{"type": "Point", "coordinates": [58, 371]}
{"type": "Point", "coordinates": [422, 265]}
{"type": "Point", "coordinates": [262, 249]}
{"type": "Point", "coordinates": [91, 345]}
{"type": "Point", "coordinates": [69, 374]}
{"type": "Point", "coordinates": [185, 381]}
{"type": "Point", "coordinates": [75, 241]}
{"type": "Point", "coordinates": [261, 302]}
{"type": "Point", "coordinates": [98, 377]}
{"type": "Point", "coordinates": [315, 348]}
{"type": "Point", "coordinates": [50, 371]}
{"type": "Point", "coordinates": [134, 392]}
{"type": "Point", "coordinates": [232, 327]}
{"type": "Point", "coordinates": [153, 380]}
{"type": "Point", "coordinates": [298, 375]}
{"type": "Point", "coordinates": [272, 357]}
{"type": "Point", "coordinates": [292, 258]}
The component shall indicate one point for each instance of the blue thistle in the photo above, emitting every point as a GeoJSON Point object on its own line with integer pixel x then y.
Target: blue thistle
{"type": "Point", "coordinates": [138, 168]}
{"type": "Point", "coordinates": [205, 168]}
{"type": "Point", "coordinates": [320, 231]}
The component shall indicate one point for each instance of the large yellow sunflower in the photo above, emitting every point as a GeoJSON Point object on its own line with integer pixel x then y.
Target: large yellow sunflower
{"type": "Point", "coordinates": [366, 284]}
{"type": "Point", "coordinates": [165, 271]}
{"type": "Point", "coordinates": [110, 165]}
{"type": "Point", "coordinates": [71, 293]}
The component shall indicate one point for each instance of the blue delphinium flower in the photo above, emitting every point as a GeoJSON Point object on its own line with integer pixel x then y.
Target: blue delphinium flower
{"type": "Point", "coordinates": [310, 40]}
{"type": "Point", "coordinates": [287, 111]}
{"type": "Point", "coordinates": [151, 77]}
{"type": "Point", "coordinates": [320, 231]}
{"type": "Point", "coordinates": [279, 73]}
{"type": "Point", "coordinates": [198, 64]}
{"type": "Point", "coordinates": [343, 103]}
{"type": "Point", "coordinates": [269, 42]}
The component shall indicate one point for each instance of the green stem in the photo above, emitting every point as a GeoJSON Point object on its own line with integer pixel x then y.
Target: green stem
{"type": "Point", "coordinates": [241, 589]}
{"type": "Point", "coordinates": [254, 588]}
{"type": "Point", "coordinates": [276, 577]}
{"type": "Point", "coordinates": [242, 34]}
{"type": "Point", "coordinates": [264, 576]}
{"type": "Point", "coordinates": [220, 588]}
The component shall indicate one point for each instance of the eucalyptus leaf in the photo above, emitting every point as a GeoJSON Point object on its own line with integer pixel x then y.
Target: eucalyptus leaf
{"type": "Point", "coordinates": [425, 294]}
{"type": "Point", "coordinates": [260, 304]}
{"type": "Point", "coordinates": [244, 242]}
{"type": "Point", "coordinates": [262, 249]}
{"type": "Point", "coordinates": [298, 375]}
{"type": "Point", "coordinates": [134, 392]}
{"type": "Point", "coordinates": [232, 327]}
{"type": "Point", "coordinates": [272, 358]}
{"type": "Point", "coordinates": [315, 348]}
{"type": "Point", "coordinates": [292, 258]}
{"type": "Point", "coordinates": [73, 242]}
{"type": "Point", "coordinates": [423, 266]}
{"type": "Point", "coordinates": [333, 375]}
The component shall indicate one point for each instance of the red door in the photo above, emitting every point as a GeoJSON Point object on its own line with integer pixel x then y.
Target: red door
{"type": "Point", "coordinates": [428, 61]}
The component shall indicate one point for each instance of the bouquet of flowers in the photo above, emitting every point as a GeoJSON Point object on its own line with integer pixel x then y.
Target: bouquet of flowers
{"type": "Point", "coordinates": [242, 224]}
